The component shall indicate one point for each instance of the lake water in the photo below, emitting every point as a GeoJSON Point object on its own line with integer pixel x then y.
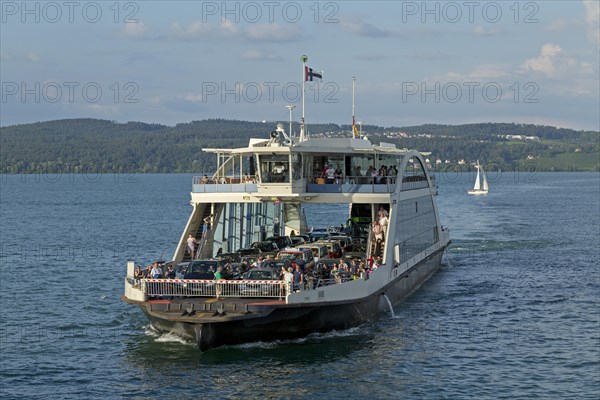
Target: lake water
{"type": "Point", "coordinates": [514, 313]}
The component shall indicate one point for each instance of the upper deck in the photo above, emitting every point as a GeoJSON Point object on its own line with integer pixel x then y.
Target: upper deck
{"type": "Point", "coordinates": [331, 169]}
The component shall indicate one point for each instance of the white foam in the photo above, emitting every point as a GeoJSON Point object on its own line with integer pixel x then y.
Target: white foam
{"type": "Point", "coordinates": [172, 338]}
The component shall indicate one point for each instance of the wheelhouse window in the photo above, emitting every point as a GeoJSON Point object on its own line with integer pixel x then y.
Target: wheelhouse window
{"type": "Point", "coordinates": [274, 168]}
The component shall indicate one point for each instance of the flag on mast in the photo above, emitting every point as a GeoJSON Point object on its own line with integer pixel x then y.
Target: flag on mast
{"type": "Point", "coordinates": [309, 74]}
{"type": "Point", "coordinates": [354, 130]}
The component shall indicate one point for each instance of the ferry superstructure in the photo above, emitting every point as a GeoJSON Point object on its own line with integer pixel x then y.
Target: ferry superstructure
{"type": "Point", "coordinates": [263, 190]}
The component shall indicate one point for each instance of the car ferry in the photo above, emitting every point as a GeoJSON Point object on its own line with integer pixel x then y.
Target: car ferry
{"type": "Point", "coordinates": [264, 190]}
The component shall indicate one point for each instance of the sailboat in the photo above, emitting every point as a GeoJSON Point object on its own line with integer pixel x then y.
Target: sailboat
{"type": "Point", "coordinates": [479, 188]}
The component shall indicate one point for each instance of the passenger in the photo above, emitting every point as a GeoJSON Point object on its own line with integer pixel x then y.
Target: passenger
{"type": "Point", "coordinates": [247, 178]}
{"type": "Point", "coordinates": [259, 262]}
{"type": "Point", "coordinates": [344, 269]}
{"type": "Point", "coordinates": [335, 272]}
{"type": "Point", "coordinates": [323, 172]}
{"type": "Point", "coordinates": [137, 273]}
{"type": "Point", "coordinates": [206, 225]}
{"type": "Point", "coordinates": [358, 174]}
{"type": "Point", "coordinates": [298, 278]}
{"type": "Point", "coordinates": [330, 173]}
{"type": "Point", "coordinates": [170, 274]}
{"type": "Point", "coordinates": [383, 221]}
{"type": "Point", "coordinates": [376, 263]}
{"type": "Point", "coordinates": [378, 248]}
{"type": "Point", "coordinates": [156, 272]}
{"type": "Point", "coordinates": [191, 243]}
{"type": "Point", "coordinates": [377, 231]}
{"type": "Point", "coordinates": [146, 272]}
{"type": "Point", "coordinates": [288, 278]}
{"type": "Point", "coordinates": [218, 277]}
{"type": "Point", "coordinates": [383, 174]}
{"type": "Point", "coordinates": [204, 180]}
{"type": "Point", "coordinates": [338, 174]}
{"type": "Point", "coordinates": [354, 267]}
{"type": "Point", "coordinates": [382, 212]}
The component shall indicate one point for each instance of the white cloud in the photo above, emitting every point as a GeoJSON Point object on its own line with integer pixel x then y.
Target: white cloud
{"type": "Point", "coordinates": [565, 73]}
{"type": "Point", "coordinates": [546, 62]}
{"type": "Point", "coordinates": [592, 19]}
{"type": "Point", "coordinates": [135, 29]}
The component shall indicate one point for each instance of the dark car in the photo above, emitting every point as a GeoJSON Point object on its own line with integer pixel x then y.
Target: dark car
{"type": "Point", "coordinates": [318, 235]}
{"type": "Point", "coordinates": [295, 255]}
{"type": "Point", "coordinates": [229, 257]}
{"type": "Point", "coordinates": [299, 240]}
{"type": "Point", "coordinates": [281, 241]}
{"type": "Point", "coordinates": [266, 246]}
{"type": "Point", "coordinates": [262, 274]}
{"type": "Point", "coordinates": [249, 251]}
{"type": "Point", "coordinates": [201, 269]}
{"type": "Point", "coordinates": [261, 289]}
{"type": "Point", "coordinates": [276, 265]}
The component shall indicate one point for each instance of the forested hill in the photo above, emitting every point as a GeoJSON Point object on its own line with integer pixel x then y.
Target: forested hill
{"type": "Point", "coordinates": [92, 145]}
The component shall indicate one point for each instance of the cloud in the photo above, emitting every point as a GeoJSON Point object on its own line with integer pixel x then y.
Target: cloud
{"type": "Point", "coordinates": [361, 28]}
{"type": "Point", "coordinates": [545, 62]}
{"type": "Point", "coordinates": [483, 73]}
{"type": "Point", "coordinates": [135, 29]}
{"type": "Point", "coordinates": [260, 55]}
{"type": "Point", "coordinates": [229, 30]}
{"type": "Point", "coordinates": [592, 20]}
{"type": "Point", "coordinates": [565, 73]}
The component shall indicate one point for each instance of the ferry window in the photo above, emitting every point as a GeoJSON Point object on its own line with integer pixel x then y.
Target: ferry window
{"type": "Point", "coordinates": [296, 166]}
{"type": "Point", "coordinates": [360, 165]}
{"type": "Point", "coordinates": [274, 168]}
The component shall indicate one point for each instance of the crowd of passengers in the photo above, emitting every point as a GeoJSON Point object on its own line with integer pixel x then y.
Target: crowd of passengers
{"type": "Point", "coordinates": [335, 175]}
{"type": "Point", "coordinates": [325, 272]}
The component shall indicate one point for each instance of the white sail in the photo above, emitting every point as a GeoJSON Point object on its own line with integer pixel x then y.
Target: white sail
{"type": "Point", "coordinates": [485, 184]}
{"type": "Point", "coordinates": [477, 184]}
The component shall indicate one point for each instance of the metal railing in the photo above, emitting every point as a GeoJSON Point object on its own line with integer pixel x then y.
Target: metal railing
{"type": "Point", "coordinates": [212, 288]}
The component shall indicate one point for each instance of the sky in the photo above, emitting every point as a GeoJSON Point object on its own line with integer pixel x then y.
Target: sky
{"type": "Point", "coordinates": [415, 62]}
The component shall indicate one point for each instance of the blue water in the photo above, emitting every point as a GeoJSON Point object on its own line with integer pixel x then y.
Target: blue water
{"type": "Point", "coordinates": [514, 313]}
